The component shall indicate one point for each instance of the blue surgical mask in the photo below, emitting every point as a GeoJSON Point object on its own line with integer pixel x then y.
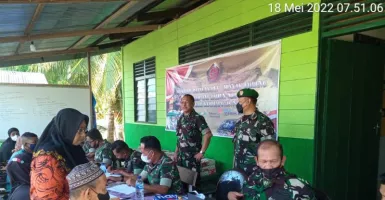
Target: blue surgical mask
{"type": "Point", "coordinates": [32, 147]}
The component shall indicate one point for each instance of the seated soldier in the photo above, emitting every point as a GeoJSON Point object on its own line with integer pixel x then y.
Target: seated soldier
{"type": "Point", "coordinates": [161, 172]}
{"type": "Point", "coordinates": [87, 181]}
{"type": "Point", "coordinates": [270, 180]}
{"type": "Point", "coordinates": [103, 153]}
{"type": "Point", "coordinates": [86, 147]}
{"type": "Point", "coordinates": [133, 164]}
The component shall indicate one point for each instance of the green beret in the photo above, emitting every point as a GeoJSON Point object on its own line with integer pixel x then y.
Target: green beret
{"type": "Point", "coordinates": [247, 92]}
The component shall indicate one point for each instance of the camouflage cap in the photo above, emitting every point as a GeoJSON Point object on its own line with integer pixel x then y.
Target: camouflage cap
{"type": "Point", "coordinates": [247, 92]}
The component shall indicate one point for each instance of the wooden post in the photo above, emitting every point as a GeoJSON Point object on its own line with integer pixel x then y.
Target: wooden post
{"type": "Point", "coordinates": [90, 86]}
{"type": "Point", "coordinates": [76, 33]}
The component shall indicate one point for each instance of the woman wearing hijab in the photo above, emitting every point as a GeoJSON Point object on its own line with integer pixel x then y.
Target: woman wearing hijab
{"type": "Point", "coordinates": [56, 153]}
{"type": "Point", "coordinates": [8, 145]}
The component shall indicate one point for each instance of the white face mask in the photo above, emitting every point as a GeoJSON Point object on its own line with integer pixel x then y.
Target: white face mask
{"type": "Point", "coordinates": [22, 146]}
{"type": "Point", "coordinates": [14, 138]}
{"type": "Point", "coordinates": [145, 159]}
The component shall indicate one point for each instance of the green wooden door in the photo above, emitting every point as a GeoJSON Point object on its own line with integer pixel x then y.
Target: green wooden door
{"type": "Point", "coordinates": [351, 113]}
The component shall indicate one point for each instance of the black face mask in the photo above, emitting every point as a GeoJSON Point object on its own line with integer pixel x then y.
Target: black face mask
{"type": "Point", "coordinates": [239, 108]}
{"type": "Point", "coordinates": [271, 173]}
{"type": "Point", "coordinates": [105, 196]}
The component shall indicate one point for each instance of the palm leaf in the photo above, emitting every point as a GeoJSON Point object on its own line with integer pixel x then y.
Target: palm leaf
{"type": "Point", "coordinates": [106, 78]}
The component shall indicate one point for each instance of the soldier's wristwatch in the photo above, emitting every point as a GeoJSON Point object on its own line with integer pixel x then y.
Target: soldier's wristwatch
{"type": "Point", "coordinates": [202, 152]}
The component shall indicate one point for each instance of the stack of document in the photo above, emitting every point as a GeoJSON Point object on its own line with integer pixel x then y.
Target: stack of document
{"type": "Point", "coordinates": [112, 175]}
{"type": "Point", "coordinates": [121, 191]}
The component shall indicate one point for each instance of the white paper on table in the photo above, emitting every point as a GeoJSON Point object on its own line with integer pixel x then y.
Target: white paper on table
{"type": "Point", "coordinates": [122, 188]}
{"type": "Point", "coordinates": [112, 175]}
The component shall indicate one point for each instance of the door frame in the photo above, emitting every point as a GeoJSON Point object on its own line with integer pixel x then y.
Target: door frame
{"type": "Point", "coordinates": [320, 103]}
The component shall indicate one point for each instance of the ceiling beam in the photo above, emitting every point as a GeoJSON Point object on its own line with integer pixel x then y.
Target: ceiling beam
{"type": "Point", "coordinates": [106, 21]}
{"type": "Point", "coordinates": [78, 33]}
{"type": "Point", "coordinates": [35, 17]}
{"type": "Point", "coordinates": [51, 1]}
{"type": "Point", "coordinates": [130, 19]}
{"type": "Point", "coordinates": [197, 4]}
{"type": "Point", "coordinates": [167, 14]}
{"type": "Point", "coordinates": [115, 44]}
{"type": "Point", "coordinates": [119, 36]}
{"type": "Point", "coordinates": [47, 53]}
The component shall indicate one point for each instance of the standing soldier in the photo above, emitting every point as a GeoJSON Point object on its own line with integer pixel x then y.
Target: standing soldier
{"type": "Point", "coordinates": [189, 130]}
{"type": "Point", "coordinates": [252, 128]}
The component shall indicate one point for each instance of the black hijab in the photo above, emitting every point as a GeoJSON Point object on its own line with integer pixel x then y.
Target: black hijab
{"type": "Point", "coordinates": [7, 146]}
{"type": "Point", "coordinates": [59, 135]}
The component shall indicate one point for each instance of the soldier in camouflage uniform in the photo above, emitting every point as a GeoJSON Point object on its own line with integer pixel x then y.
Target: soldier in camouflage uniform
{"type": "Point", "coordinates": [160, 171]}
{"type": "Point", "coordinates": [249, 130]}
{"type": "Point", "coordinates": [270, 181]}
{"type": "Point", "coordinates": [86, 147]}
{"type": "Point", "coordinates": [103, 152]}
{"type": "Point", "coordinates": [133, 164]}
{"type": "Point", "coordinates": [191, 128]}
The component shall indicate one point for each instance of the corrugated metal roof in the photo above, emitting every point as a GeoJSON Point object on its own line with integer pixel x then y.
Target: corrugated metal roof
{"type": "Point", "coordinates": [169, 4]}
{"type": "Point", "coordinates": [132, 10]}
{"type": "Point", "coordinates": [22, 77]}
{"type": "Point", "coordinates": [8, 48]}
{"type": "Point", "coordinates": [66, 17]}
{"type": "Point", "coordinates": [15, 18]}
{"type": "Point", "coordinates": [74, 16]}
{"type": "Point", "coordinates": [137, 7]}
{"type": "Point", "coordinates": [57, 43]}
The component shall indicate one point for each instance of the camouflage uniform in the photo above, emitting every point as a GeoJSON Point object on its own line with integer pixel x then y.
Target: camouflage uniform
{"type": "Point", "coordinates": [165, 173]}
{"type": "Point", "coordinates": [134, 163]}
{"type": "Point", "coordinates": [283, 186]}
{"type": "Point", "coordinates": [104, 154]}
{"type": "Point", "coordinates": [86, 147]}
{"type": "Point", "coordinates": [248, 132]}
{"type": "Point", "coordinates": [190, 130]}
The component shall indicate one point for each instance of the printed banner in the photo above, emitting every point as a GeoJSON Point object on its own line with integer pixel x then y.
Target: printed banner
{"type": "Point", "coordinates": [214, 83]}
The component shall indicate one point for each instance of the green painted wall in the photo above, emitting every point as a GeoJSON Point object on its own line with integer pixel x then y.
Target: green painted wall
{"type": "Point", "coordinates": [297, 80]}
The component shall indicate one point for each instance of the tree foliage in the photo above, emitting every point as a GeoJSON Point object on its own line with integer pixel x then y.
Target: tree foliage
{"type": "Point", "coordinates": [106, 82]}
